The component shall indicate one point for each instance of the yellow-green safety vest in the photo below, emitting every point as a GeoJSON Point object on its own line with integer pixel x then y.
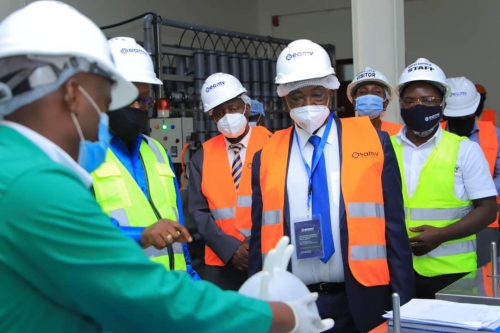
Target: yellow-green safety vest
{"type": "Point", "coordinates": [121, 198]}
{"type": "Point", "coordinates": [434, 203]}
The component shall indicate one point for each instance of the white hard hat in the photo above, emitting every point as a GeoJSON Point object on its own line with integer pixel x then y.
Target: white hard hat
{"type": "Point", "coordinates": [219, 88]}
{"type": "Point", "coordinates": [50, 30]}
{"type": "Point", "coordinates": [463, 99]}
{"type": "Point", "coordinates": [302, 60]}
{"type": "Point", "coordinates": [424, 70]}
{"type": "Point", "coordinates": [369, 75]}
{"type": "Point", "coordinates": [132, 61]}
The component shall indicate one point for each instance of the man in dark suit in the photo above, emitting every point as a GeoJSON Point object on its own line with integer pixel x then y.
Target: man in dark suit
{"type": "Point", "coordinates": [334, 187]}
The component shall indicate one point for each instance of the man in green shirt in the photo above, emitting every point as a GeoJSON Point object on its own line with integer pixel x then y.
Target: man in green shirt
{"type": "Point", "coordinates": [63, 265]}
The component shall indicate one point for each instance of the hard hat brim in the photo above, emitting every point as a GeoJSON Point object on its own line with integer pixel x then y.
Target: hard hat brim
{"type": "Point", "coordinates": [452, 112]}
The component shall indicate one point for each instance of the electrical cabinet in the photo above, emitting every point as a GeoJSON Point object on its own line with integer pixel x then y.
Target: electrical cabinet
{"type": "Point", "coordinates": [173, 134]}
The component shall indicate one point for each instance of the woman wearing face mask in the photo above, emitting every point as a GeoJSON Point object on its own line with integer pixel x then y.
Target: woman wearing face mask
{"type": "Point", "coordinates": [308, 182]}
{"type": "Point", "coordinates": [460, 110]}
{"type": "Point", "coordinates": [370, 92]}
{"type": "Point", "coordinates": [219, 181]}
{"type": "Point", "coordinates": [447, 188]}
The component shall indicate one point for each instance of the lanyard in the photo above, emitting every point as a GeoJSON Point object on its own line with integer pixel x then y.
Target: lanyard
{"type": "Point", "coordinates": [317, 156]}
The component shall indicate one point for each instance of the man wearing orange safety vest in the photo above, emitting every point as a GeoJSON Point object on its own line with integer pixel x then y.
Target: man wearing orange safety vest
{"type": "Point", "coordinates": [460, 111]}
{"type": "Point", "coordinates": [220, 193]}
{"type": "Point", "coordinates": [334, 187]}
{"type": "Point", "coordinates": [370, 92]}
{"type": "Point", "coordinates": [482, 113]}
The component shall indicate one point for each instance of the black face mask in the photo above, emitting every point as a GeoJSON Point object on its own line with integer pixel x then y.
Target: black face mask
{"type": "Point", "coordinates": [127, 123]}
{"type": "Point", "coordinates": [461, 126]}
{"type": "Point", "coordinates": [421, 118]}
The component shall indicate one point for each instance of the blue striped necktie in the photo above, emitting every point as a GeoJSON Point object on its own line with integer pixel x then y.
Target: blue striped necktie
{"type": "Point", "coordinates": [321, 200]}
{"type": "Point", "coordinates": [237, 164]}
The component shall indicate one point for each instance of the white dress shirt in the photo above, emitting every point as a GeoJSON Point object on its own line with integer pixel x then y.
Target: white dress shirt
{"type": "Point", "coordinates": [314, 270]}
{"type": "Point", "coordinates": [472, 175]}
{"type": "Point", "coordinates": [243, 151]}
{"type": "Point", "coordinates": [53, 151]}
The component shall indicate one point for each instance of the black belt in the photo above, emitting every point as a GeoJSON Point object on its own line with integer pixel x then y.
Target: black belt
{"type": "Point", "coordinates": [326, 287]}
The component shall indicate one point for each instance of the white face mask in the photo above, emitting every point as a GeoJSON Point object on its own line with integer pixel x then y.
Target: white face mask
{"type": "Point", "coordinates": [310, 117]}
{"type": "Point", "coordinates": [232, 125]}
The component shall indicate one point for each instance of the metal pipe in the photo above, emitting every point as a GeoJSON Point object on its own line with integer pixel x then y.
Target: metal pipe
{"type": "Point", "coordinates": [158, 56]}
{"type": "Point", "coordinates": [199, 72]}
{"type": "Point", "coordinates": [211, 62]}
{"type": "Point", "coordinates": [167, 84]}
{"type": "Point", "coordinates": [274, 94]}
{"type": "Point", "coordinates": [234, 65]}
{"type": "Point", "coordinates": [223, 62]}
{"type": "Point", "coordinates": [396, 313]}
{"type": "Point", "coordinates": [264, 80]}
{"type": "Point", "coordinates": [255, 77]}
{"type": "Point", "coordinates": [147, 24]}
{"type": "Point", "coordinates": [494, 269]}
{"type": "Point", "coordinates": [180, 69]}
{"type": "Point", "coordinates": [245, 73]}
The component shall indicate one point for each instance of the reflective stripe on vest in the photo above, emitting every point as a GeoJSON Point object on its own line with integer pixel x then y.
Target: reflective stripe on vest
{"type": "Point", "coordinates": [230, 209]}
{"type": "Point", "coordinates": [367, 254]}
{"type": "Point", "coordinates": [120, 196]}
{"type": "Point", "coordinates": [434, 203]}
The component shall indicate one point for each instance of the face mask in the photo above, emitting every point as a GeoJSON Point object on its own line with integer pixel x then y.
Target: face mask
{"type": "Point", "coordinates": [92, 154]}
{"type": "Point", "coordinates": [126, 123]}
{"type": "Point", "coordinates": [369, 105]}
{"type": "Point", "coordinates": [232, 125]}
{"type": "Point", "coordinates": [461, 126]}
{"type": "Point", "coordinates": [422, 119]}
{"type": "Point", "coordinates": [310, 117]}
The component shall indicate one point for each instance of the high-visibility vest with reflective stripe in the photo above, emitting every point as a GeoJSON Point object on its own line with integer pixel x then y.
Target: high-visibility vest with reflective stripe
{"type": "Point", "coordinates": [361, 181]}
{"type": "Point", "coordinates": [488, 141]}
{"type": "Point", "coordinates": [434, 203]}
{"type": "Point", "coordinates": [390, 128]}
{"type": "Point", "coordinates": [120, 197]}
{"type": "Point", "coordinates": [230, 209]}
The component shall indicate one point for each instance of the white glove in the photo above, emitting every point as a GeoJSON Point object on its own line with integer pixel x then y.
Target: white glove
{"type": "Point", "coordinates": [306, 320]}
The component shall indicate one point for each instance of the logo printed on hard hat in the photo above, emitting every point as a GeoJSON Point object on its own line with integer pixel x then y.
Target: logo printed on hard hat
{"type": "Point", "coordinates": [420, 66]}
{"type": "Point", "coordinates": [215, 85]}
{"type": "Point", "coordinates": [290, 56]}
{"type": "Point", "coordinates": [434, 116]}
{"type": "Point", "coordinates": [366, 74]}
{"type": "Point", "coordinates": [458, 93]}
{"type": "Point", "coordinates": [125, 51]}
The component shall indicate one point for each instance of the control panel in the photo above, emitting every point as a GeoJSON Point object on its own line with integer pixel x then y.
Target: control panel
{"type": "Point", "coordinates": [173, 134]}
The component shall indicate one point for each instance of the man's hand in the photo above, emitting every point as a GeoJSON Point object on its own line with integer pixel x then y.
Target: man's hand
{"type": "Point", "coordinates": [240, 258]}
{"type": "Point", "coordinates": [164, 233]}
{"type": "Point", "coordinates": [428, 240]}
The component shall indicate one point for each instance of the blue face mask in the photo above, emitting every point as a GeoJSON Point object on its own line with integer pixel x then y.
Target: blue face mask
{"type": "Point", "coordinates": [369, 105]}
{"type": "Point", "coordinates": [92, 154]}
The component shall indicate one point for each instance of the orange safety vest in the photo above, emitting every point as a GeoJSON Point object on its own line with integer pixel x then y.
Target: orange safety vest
{"type": "Point", "coordinates": [488, 141]}
{"type": "Point", "coordinates": [362, 164]}
{"type": "Point", "coordinates": [489, 115]}
{"type": "Point", "coordinates": [390, 128]}
{"type": "Point", "coordinates": [230, 209]}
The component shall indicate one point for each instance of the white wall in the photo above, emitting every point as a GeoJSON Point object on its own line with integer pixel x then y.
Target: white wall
{"type": "Point", "coordinates": [462, 37]}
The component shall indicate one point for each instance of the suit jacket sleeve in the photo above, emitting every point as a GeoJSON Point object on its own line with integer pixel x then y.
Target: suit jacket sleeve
{"type": "Point", "coordinates": [399, 254]}
{"type": "Point", "coordinates": [255, 255]}
{"type": "Point", "coordinates": [221, 243]}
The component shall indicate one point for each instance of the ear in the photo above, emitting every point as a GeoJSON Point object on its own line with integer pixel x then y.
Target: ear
{"type": "Point", "coordinates": [285, 103]}
{"type": "Point", "coordinates": [386, 102]}
{"type": "Point", "coordinates": [330, 100]}
{"type": "Point", "coordinates": [71, 94]}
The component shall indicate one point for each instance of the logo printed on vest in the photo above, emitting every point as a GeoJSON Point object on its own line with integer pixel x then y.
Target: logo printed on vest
{"type": "Point", "coordinates": [434, 116]}
{"type": "Point", "coordinates": [364, 154]}
{"type": "Point", "coordinates": [306, 229]}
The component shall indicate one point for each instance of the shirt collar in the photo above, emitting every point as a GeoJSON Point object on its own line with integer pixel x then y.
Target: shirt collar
{"type": "Point", "coordinates": [243, 141]}
{"type": "Point", "coordinates": [304, 136]}
{"type": "Point", "coordinates": [475, 129]}
{"type": "Point", "coordinates": [434, 140]}
{"type": "Point", "coordinates": [53, 151]}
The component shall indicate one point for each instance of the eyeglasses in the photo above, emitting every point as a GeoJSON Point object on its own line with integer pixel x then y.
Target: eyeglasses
{"type": "Point", "coordinates": [218, 114]}
{"type": "Point", "coordinates": [145, 103]}
{"type": "Point", "coordinates": [409, 102]}
{"type": "Point", "coordinates": [298, 99]}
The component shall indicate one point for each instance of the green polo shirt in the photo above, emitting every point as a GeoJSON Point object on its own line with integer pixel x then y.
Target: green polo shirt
{"type": "Point", "coordinates": [65, 268]}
